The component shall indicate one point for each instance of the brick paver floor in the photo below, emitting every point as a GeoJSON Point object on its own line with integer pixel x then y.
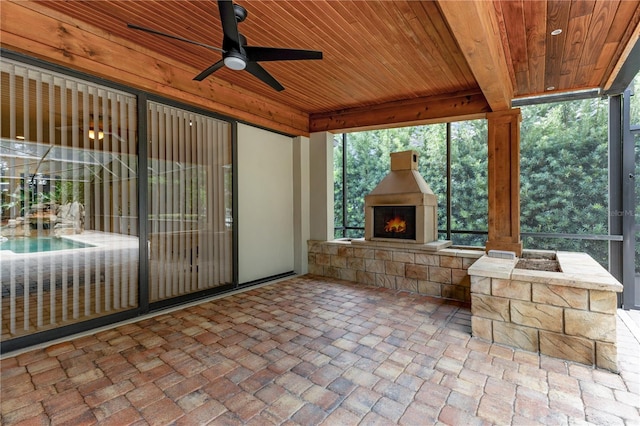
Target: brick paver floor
{"type": "Point", "coordinates": [311, 351]}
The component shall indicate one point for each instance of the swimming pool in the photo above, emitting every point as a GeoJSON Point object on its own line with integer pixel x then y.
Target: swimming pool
{"type": "Point", "coordinates": [40, 244]}
{"type": "Point", "coordinates": [92, 256]}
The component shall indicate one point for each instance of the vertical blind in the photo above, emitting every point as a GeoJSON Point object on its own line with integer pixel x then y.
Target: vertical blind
{"type": "Point", "coordinates": [190, 210]}
{"type": "Point", "coordinates": [68, 201]}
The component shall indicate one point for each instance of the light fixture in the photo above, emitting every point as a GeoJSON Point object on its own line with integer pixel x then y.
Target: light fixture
{"type": "Point", "coordinates": [556, 32]}
{"type": "Point", "coordinates": [20, 137]}
{"type": "Point", "coordinates": [92, 134]}
{"type": "Point", "coordinates": [235, 63]}
{"type": "Point", "coordinates": [551, 87]}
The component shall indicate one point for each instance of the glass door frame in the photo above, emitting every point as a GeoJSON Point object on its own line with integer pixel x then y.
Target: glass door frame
{"type": "Point", "coordinates": [635, 236]}
{"type": "Point", "coordinates": [628, 167]}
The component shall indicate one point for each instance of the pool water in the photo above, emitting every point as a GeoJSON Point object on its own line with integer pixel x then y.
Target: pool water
{"type": "Point", "coordinates": [36, 245]}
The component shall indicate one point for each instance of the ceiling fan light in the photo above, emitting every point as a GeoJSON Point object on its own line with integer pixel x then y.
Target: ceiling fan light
{"type": "Point", "coordinates": [235, 63]}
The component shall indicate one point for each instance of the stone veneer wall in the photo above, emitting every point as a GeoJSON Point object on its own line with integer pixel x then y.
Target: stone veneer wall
{"type": "Point", "coordinates": [403, 266]}
{"type": "Point", "coordinates": [569, 315]}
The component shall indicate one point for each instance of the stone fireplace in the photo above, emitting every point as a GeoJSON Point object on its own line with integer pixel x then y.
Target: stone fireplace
{"type": "Point", "coordinates": [402, 207]}
{"type": "Point", "coordinates": [400, 249]}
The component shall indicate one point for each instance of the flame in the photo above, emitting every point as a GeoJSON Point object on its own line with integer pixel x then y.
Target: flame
{"type": "Point", "coordinates": [397, 225]}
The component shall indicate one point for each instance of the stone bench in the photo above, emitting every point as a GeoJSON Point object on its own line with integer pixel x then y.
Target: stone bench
{"type": "Point", "coordinates": [569, 314]}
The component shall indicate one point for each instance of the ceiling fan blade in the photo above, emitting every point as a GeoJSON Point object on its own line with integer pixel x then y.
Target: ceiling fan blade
{"type": "Point", "coordinates": [206, 73]}
{"type": "Point", "coordinates": [257, 71]}
{"type": "Point", "coordinates": [258, 53]}
{"type": "Point", "coordinates": [175, 37]}
{"type": "Point", "coordinates": [229, 22]}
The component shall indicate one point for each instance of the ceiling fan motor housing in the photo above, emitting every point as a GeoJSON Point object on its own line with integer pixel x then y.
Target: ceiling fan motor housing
{"type": "Point", "coordinates": [240, 12]}
{"type": "Point", "coordinates": [235, 57]}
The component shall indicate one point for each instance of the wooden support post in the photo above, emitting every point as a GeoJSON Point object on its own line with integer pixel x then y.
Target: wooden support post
{"type": "Point", "coordinates": [504, 181]}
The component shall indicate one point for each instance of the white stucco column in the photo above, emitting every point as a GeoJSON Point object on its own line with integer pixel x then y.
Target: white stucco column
{"type": "Point", "coordinates": [321, 186]}
{"type": "Point", "coordinates": [301, 206]}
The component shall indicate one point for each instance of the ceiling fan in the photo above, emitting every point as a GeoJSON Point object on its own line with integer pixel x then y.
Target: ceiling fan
{"type": "Point", "coordinates": [236, 54]}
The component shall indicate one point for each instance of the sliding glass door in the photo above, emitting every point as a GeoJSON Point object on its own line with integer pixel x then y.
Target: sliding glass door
{"type": "Point", "coordinates": [190, 202]}
{"type": "Point", "coordinates": [86, 241]}
{"type": "Point", "coordinates": [68, 200]}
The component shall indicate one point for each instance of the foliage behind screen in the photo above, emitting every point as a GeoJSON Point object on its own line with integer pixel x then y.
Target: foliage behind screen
{"type": "Point", "coordinates": [564, 174]}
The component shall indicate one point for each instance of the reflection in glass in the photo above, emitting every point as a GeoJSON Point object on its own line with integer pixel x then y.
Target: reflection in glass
{"type": "Point", "coordinates": [635, 100]}
{"type": "Point", "coordinates": [68, 201]}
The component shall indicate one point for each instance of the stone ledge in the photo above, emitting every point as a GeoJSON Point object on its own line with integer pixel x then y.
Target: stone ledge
{"type": "Point", "coordinates": [442, 247]}
{"type": "Point", "coordinates": [579, 270]}
{"type": "Point", "coordinates": [578, 280]}
{"type": "Point", "coordinates": [429, 247]}
{"type": "Point", "coordinates": [493, 267]}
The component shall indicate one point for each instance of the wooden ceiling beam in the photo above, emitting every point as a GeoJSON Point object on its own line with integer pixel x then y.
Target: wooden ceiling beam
{"type": "Point", "coordinates": [474, 25]}
{"type": "Point", "coordinates": [427, 110]}
{"type": "Point", "coordinates": [627, 66]}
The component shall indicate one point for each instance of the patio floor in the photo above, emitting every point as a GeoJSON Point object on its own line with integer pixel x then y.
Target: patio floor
{"type": "Point", "coordinates": [313, 351]}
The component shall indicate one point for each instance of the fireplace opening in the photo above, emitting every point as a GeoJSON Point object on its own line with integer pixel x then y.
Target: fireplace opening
{"type": "Point", "coordinates": [397, 222]}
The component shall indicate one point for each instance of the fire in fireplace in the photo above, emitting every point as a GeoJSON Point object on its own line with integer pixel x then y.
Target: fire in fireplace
{"type": "Point", "coordinates": [394, 222]}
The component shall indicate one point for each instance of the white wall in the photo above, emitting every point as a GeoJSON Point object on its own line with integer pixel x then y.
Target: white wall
{"type": "Point", "coordinates": [321, 186]}
{"type": "Point", "coordinates": [301, 203]}
{"type": "Point", "coordinates": [265, 204]}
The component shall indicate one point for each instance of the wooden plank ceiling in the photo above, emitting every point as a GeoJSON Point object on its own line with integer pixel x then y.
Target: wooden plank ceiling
{"type": "Point", "coordinates": [385, 60]}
